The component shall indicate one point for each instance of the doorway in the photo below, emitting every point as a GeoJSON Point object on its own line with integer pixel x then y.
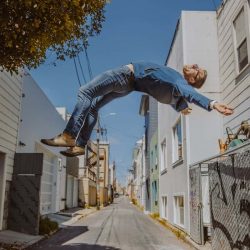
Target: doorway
{"type": "Point", "coordinates": [2, 186]}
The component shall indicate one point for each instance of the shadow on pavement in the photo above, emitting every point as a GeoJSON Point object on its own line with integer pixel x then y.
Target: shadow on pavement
{"type": "Point", "coordinates": [80, 246]}
{"type": "Point", "coordinates": [61, 237]}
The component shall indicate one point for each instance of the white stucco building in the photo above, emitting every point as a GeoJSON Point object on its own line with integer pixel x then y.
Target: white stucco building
{"type": "Point", "coordinates": [40, 119]}
{"type": "Point", "coordinates": [140, 172]}
{"type": "Point", "coordinates": [184, 140]}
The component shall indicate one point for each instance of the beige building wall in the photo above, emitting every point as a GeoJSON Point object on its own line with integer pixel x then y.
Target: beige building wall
{"type": "Point", "coordinates": [87, 191]}
{"type": "Point", "coordinates": [87, 178]}
{"type": "Point", "coordinates": [10, 102]}
{"type": "Point", "coordinates": [104, 172]}
{"type": "Point", "coordinates": [104, 164]}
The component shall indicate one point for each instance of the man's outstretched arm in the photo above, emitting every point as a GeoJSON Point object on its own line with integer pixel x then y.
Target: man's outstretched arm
{"type": "Point", "coordinates": [223, 108]}
{"type": "Point", "coordinates": [192, 96]}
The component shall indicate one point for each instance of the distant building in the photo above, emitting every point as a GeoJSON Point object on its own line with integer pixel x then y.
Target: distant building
{"type": "Point", "coordinates": [153, 152]}
{"type": "Point", "coordinates": [112, 181]}
{"type": "Point", "coordinates": [87, 177]}
{"type": "Point", "coordinates": [144, 111]}
{"type": "Point", "coordinates": [104, 171]}
{"type": "Point", "coordinates": [154, 173]}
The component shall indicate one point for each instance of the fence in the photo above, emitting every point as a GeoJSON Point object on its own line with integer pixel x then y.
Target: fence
{"type": "Point", "coordinates": [220, 199]}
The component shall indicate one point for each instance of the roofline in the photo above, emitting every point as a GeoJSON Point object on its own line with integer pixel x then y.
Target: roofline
{"type": "Point", "coordinates": [221, 7]}
{"type": "Point", "coordinates": [142, 104]}
{"type": "Point", "coordinates": [173, 40]}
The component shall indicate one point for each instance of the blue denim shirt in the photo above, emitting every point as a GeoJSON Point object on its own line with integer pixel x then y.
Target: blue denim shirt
{"type": "Point", "coordinates": [167, 86]}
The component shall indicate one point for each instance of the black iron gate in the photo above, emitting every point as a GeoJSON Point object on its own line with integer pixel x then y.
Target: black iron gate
{"type": "Point", "coordinates": [24, 203]}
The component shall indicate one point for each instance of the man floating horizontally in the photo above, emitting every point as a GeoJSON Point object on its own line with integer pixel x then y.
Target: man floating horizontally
{"type": "Point", "coordinates": [165, 84]}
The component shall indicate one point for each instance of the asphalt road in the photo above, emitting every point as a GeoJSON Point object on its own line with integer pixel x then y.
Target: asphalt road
{"type": "Point", "coordinates": [118, 226]}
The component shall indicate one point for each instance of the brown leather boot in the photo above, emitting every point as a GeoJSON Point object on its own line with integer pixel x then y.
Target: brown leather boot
{"type": "Point", "coordinates": [61, 140]}
{"type": "Point", "coordinates": [73, 151]}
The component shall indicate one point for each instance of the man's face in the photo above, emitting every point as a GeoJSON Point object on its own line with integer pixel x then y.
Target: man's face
{"type": "Point", "coordinates": [192, 73]}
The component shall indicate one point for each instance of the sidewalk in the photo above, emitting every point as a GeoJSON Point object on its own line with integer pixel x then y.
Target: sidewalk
{"type": "Point", "coordinates": [15, 240]}
{"type": "Point", "coordinates": [70, 216]}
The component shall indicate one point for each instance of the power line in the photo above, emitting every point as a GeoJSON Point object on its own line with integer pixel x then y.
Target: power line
{"type": "Point", "coordinates": [88, 62]}
{"type": "Point", "coordinates": [214, 4]}
{"type": "Point", "coordinates": [81, 69]}
{"type": "Point", "coordinates": [77, 72]}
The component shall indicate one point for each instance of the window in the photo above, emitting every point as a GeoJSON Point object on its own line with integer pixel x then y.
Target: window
{"type": "Point", "coordinates": [163, 155]}
{"type": "Point", "coordinates": [164, 207]}
{"type": "Point", "coordinates": [240, 30]}
{"type": "Point", "coordinates": [154, 193]}
{"type": "Point", "coordinates": [179, 210]}
{"type": "Point", "coordinates": [177, 142]}
{"type": "Point", "coordinates": [156, 157]}
{"type": "Point", "coordinates": [152, 161]}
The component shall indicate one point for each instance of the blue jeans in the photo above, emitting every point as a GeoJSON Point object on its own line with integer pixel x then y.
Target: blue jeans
{"type": "Point", "coordinates": [94, 95]}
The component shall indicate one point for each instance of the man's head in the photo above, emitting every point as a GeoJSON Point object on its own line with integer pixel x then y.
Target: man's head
{"type": "Point", "coordinates": [194, 75]}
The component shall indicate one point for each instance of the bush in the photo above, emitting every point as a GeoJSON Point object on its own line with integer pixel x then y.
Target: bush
{"type": "Point", "coordinates": [155, 215]}
{"type": "Point", "coordinates": [47, 226]}
{"type": "Point", "coordinates": [134, 201]}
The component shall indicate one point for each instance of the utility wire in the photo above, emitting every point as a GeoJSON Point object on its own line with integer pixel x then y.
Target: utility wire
{"type": "Point", "coordinates": [81, 69]}
{"type": "Point", "coordinates": [88, 62]}
{"type": "Point", "coordinates": [77, 72]}
{"type": "Point", "coordinates": [214, 4]}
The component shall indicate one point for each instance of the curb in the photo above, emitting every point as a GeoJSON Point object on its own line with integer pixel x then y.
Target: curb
{"type": "Point", "coordinates": [77, 218]}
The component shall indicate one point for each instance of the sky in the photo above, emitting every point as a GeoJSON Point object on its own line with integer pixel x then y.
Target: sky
{"type": "Point", "coordinates": [134, 30]}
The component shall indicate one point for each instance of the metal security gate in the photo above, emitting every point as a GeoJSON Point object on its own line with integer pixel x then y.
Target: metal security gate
{"type": "Point", "coordinates": [48, 181]}
{"type": "Point", "coordinates": [25, 193]}
{"type": "Point", "coordinates": [196, 218]}
{"type": "Point", "coordinates": [229, 179]}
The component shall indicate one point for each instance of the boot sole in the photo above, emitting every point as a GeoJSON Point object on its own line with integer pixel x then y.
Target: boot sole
{"type": "Point", "coordinates": [53, 144]}
{"type": "Point", "coordinates": [70, 154]}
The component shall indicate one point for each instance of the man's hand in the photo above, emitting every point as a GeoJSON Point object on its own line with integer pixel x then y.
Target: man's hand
{"type": "Point", "coordinates": [186, 111]}
{"type": "Point", "coordinates": [223, 109]}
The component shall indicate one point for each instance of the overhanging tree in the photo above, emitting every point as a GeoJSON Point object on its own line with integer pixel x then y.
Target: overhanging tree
{"type": "Point", "coordinates": [28, 28]}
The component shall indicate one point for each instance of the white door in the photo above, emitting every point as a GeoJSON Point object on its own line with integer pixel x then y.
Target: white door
{"type": "Point", "coordinates": [75, 193]}
{"type": "Point", "coordinates": [48, 181]}
{"type": "Point", "coordinates": [2, 186]}
{"type": "Point", "coordinates": [70, 189]}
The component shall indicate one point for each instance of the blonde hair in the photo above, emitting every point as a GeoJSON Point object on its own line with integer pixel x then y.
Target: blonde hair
{"type": "Point", "coordinates": [200, 81]}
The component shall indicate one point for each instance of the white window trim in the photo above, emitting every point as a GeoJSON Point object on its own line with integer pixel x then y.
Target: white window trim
{"type": "Point", "coordinates": [163, 156]}
{"type": "Point", "coordinates": [176, 161]}
{"type": "Point", "coordinates": [184, 209]}
{"type": "Point", "coordinates": [162, 208]}
{"type": "Point", "coordinates": [3, 184]}
{"type": "Point", "coordinates": [246, 7]}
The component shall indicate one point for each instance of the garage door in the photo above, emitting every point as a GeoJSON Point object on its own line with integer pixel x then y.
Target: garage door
{"type": "Point", "coordinates": [72, 191]}
{"type": "Point", "coordinates": [48, 182]}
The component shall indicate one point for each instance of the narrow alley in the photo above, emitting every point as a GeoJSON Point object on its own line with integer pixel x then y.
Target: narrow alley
{"type": "Point", "coordinates": [118, 226]}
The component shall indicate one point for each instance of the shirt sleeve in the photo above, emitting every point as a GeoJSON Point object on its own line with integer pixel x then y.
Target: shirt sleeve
{"type": "Point", "coordinates": [192, 96]}
{"type": "Point", "coordinates": [180, 105]}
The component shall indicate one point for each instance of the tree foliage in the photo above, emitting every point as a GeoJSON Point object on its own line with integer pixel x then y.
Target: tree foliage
{"type": "Point", "coordinates": [28, 28]}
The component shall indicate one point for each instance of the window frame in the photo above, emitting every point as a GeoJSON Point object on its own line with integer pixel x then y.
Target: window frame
{"type": "Point", "coordinates": [175, 150]}
{"type": "Point", "coordinates": [245, 7]}
{"type": "Point", "coordinates": [163, 156]}
{"type": "Point", "coordinates": [177, 210]}
{"type": "Point", "coordinates": [164, 209]}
